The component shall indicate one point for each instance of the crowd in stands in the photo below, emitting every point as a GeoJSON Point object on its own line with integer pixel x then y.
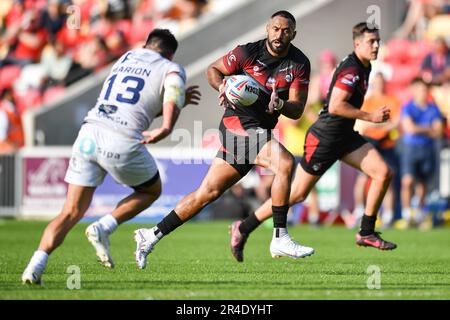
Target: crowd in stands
{"type": "Point", "coordinates": [47, 45]}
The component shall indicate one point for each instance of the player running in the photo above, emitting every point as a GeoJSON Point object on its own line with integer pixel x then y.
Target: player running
{"type": "Point", "coordinates": [332, 137]}
{"type": "Point", "coordinates": [282, 71]}
{"type": "Point", "coordinates": [143, 84]}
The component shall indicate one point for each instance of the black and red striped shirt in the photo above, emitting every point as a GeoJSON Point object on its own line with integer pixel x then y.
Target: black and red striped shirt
{"type": "Point", "coordinates": [254, 60]}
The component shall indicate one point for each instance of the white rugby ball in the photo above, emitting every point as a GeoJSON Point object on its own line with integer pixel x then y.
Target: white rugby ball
{"type": "Point", "coordinates": [241, 90]}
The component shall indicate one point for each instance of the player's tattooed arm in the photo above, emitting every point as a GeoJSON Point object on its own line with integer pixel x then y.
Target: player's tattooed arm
{"type": "Point", "coordinates": [293, 107]}
{"type": "Point", "coordinates": [340, 106]}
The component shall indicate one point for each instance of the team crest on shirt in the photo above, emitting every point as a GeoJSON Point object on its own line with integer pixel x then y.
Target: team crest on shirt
{"type": "Point", "coordinates": [256, 72]}
{"type": "Point", "coordinates": [288, 77]}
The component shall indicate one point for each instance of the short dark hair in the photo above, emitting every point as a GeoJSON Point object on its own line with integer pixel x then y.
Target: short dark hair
{"type": "Point", "coordinates": [163, 40]}
{"type": "Point", "coordinates": [418, 80]}
{"type": "Point", "coordinates": [363, 27]}
{"type": "Point", "coordinates": [285, 14]}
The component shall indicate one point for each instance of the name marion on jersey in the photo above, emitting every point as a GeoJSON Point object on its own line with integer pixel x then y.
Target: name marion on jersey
{"type": "Point", "coordinates": [132, 70]}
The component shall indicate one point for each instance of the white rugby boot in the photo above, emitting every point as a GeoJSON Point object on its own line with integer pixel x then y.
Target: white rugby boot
{"type": "Point", "coordinates": [145, 241]}
{"type": "Point", "coordinates": [33, 274]}
{"type": "Point", "coordinates": [100, 241]}
{"type": "Point", "coordinates": [284, 246]}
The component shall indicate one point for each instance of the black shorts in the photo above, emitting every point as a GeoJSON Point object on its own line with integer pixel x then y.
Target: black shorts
{"type": "Point", "coordinates": [322, 150]}
{"type": "Point", "coordinates": [241, 146]}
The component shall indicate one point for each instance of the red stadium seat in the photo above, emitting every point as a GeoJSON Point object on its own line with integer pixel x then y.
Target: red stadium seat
{"type": "Point", "coordinates": [418, 50]}
{"type": "Point", "coordinates": [30, 100]}
{"type": "Point", "coordinates": [52, 94]}
{"type": "Point", "coordinates": [9, 74]}
{"type": "Point", "coordinates": [403, 73]}
{"type": "Point", "coordinates": [397, 51]}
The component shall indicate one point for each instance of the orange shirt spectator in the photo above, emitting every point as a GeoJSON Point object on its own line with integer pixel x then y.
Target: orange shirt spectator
{"type": "Point", "coordinates": [11, 130]}
{"type": "Point", "coordinates": [384, 133]}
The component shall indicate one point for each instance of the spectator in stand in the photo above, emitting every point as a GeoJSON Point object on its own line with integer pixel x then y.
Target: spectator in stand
{"type": "Point", "coordinates": [52, 70]}
{"type": "Point", "coordinates": [436, 65]}
{"type": "Point", "coordinates": [28, 38]}
{"type": "Point", "coordinates": [143, 19]}
{"type": "Point", "coordinates": [54, 17]}
{"type": "Point", "coordinates": [422, 126]}
{"type": "Point", "coordinates": [383, 136]}
{"type": "Point", "coordinates": [107, 26]}
{"type": "Point", "coordinates": [419, 15]}
{"type": "Point", "coordinates": [11, 131]}
{"type": "Point", "coordinates": [92, 56]}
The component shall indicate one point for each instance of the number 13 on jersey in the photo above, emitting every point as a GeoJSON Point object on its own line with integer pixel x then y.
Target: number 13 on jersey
{"type": "Point", "coordinates": [131, 94]}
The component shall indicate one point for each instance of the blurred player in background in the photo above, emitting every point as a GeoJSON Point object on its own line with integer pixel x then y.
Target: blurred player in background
{"type": "Point", "coordinates": [282, 72]}
{"type": "Point", "coordinates": [143, 84]}
{"type": "Point", "coordinates": [332, 137]}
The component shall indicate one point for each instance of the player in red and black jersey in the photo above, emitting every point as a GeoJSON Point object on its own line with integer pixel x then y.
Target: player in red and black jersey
{"type": "Point", "coordinates": [332, 137]}
{"type": "Point", "coordinates": [288, 73]}
{"type": "Point", "coordinates": [282, 72]}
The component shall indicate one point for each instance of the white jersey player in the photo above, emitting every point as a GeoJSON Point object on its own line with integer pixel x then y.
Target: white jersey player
{"type": "Point", "coordinates": [142, 85]}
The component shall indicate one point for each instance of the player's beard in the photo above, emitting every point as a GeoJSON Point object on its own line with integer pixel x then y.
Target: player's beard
{"type": "Point", "coordinates": [283, 46]}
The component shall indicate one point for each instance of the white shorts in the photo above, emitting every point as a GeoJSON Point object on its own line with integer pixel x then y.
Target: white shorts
{"type": "Point", "coordinates": [98, 151]}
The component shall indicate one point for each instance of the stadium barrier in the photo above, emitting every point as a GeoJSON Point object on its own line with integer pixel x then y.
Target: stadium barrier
{"type": "Point", "coordinates": [9, 183]}
{"type": "Point", "coordinates": [33, 187]}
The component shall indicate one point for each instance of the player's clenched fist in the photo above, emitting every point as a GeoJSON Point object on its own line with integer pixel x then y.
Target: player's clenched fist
{"type": "Point", "coordinates": [381, 115]}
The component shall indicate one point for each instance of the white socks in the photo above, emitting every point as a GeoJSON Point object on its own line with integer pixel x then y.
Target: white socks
{"type": "Point", "coordinates": [39, 259]}
{"type": "Point", "coordinates": [358, 212]}
{"type": "Point", "coordinates": [407, 214]}
{"type": "Point", "coordinates": [280, 233]}
{"type": "Point", "coordinates": [386, 217]}
{"type": "Point", "coordinates": [108, 223]}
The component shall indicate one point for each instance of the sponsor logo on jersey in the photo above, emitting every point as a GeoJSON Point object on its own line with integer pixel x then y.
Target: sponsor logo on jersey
{"type": "Point", "coordinates": [261, 63]}
{"type": "Point", "coordinates": [87, 146]}
{"type": "Point", "coordinates": [350, 79]}
{"type": "Point", "coordinates": [270, 81]}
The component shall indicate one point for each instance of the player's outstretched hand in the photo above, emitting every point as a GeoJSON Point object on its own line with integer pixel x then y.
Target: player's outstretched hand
{"type": "Point", "coordinates": [192, 96]}
{"type": "Point", "coordinates": [381, 115]}
{"type": "Point", "coordinates": [153, 136]}
{"type": "Point", "coordinates": [223, 101]}
{"type": "Point", "coordinates": [274, 100]}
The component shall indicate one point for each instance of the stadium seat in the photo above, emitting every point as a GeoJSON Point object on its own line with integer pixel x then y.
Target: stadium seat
{"type": "Point", "coordinates": [397, 51]}
{"type": "Point", "coordinates": [418, 50]}
{"type": "Point", "coordinates": [52, 94]}
{"type": "Point", "coordinates": [9, 74]}
{"type": "Point", "coordinates": [404, 73]}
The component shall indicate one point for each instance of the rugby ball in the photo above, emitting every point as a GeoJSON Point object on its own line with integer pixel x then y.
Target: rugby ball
{"type": "Point", "coordinates": [241, 90]}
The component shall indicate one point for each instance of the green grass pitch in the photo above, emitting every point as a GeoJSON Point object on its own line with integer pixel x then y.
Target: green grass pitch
{"type": "Point", "coordinates": [195, 262]}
